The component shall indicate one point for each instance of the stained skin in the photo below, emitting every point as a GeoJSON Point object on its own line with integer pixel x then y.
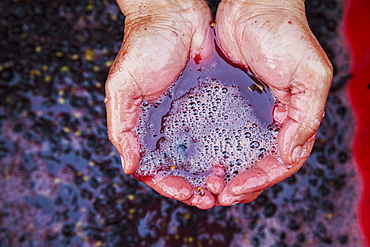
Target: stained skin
{"type": "Point", "coordinates": [279, 48]}
{"type": "Point", "coordinates": [214, 121]}
{"type": "Point", "coordinates": [174, 30]}
{"type": "Point", "coordinates": [275, 53]}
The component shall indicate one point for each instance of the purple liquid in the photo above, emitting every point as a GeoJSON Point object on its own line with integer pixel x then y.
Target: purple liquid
{"type": "Point", "coordinates": [214, 116]}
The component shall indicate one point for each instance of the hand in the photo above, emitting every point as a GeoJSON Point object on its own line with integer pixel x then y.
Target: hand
{"type": "Point", "coordinates": [159, 36]}
{"type": "Point", "coordinates": [272, 38]}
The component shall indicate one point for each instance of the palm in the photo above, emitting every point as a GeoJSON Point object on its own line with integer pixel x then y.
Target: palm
{"type": "Point", "coordinates": [281, 50]}
{"type": "Point", "coordinates": [276, 44]}
{"type": "Point", "coordinates": [155, 50]}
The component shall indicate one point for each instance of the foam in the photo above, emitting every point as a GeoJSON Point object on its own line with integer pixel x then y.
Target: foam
{"type": "Point", "coordinates": [210, 126]}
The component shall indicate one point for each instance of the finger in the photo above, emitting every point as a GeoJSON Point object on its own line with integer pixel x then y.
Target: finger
{"type": "Point", "coordinates": [215, 184]}
{"type": "Point", "coordinates": [252, 196]}
{"type": "Point", "coordinates": [131, 153]}
{"type": "Point", "coordinates": [123, 107]}
{"type": "Point", "coordinates": [203, 45]}
{"type": "Point", "coordinates": [267, 172]}
{"type": "Point", "coordinates": [172, 187]}
{"type": "Point", "coordinates": [280, 113]}
{"type": "Point", "coordinates": [252, 180]}
{"type": "Point", "coordinates": [309, 89]}
{"type": "Point", "coordinates": [228, 199]}
{"type": "Point", "coordinates": [202, 199]}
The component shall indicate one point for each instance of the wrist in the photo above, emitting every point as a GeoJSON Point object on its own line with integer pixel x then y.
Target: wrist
{"type": "Point", "coordinates": [267, 4]}
{"type": "Point", "coordinates": [146, 8]}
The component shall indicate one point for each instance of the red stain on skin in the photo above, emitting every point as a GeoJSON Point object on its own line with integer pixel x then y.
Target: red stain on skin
{"type": "Point", "coordinates": [357, 20]}
{"type": "Point", "coordinates": [197, 58]}
{"type": "Point", "coordinates": [207, 92]}
{"type": "Point", "coordinates": [144, 179]}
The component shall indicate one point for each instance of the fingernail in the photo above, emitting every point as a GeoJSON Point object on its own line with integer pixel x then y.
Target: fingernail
{"type": "Point", "coordinates": [215, 184]}
{"type": "Point", "coordinates": [249, 186]}
{"type": "Point", "coordinates": [123, 163]}
{"type": "Point", "coordinates": [180, 193]}
{"type": "Point", "coordinates": [296, 153]}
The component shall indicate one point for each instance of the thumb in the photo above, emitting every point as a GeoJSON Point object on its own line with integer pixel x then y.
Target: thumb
{"type": "Point", "coordinates": [280, 49]}
{"type": "Point", "coordinates": [308, 92]}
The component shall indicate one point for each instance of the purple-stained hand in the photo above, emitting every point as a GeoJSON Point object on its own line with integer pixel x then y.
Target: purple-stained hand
{"type": "Point", "coordinates": [158, 40]}
{"type": "Point", "coordinates": [272, 39]}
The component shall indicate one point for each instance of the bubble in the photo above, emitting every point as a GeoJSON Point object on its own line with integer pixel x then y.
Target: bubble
{"type": "Point", "coordinates": [200, 191]}
{"type": "Point", "coordinates": [198, 132]}
{"type": "Point", "coordinates": [254, 144]}
{"type": "Point", "coordinates": [239, 162]}
{"type": "Point", "coordinates": [225, 155]}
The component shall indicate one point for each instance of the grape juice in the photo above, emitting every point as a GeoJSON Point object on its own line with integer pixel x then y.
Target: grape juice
{"type": "Point", "coordinates": [216, 115]}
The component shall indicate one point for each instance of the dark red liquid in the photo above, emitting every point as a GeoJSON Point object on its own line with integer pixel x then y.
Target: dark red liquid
{"type": "Point", "coordinates": [214, 115]}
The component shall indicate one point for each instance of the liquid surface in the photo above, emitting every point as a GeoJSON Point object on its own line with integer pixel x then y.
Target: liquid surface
{"type": "Point", "coordinates": [61, 188]}
{"type": "Point", "coordinates": [214, 116]}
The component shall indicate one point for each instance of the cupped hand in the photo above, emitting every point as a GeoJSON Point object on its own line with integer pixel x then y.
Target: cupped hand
{"type": "Point", "coordinates": [158, 40]}
{"type": "Point", "coordinates": [272, 39]}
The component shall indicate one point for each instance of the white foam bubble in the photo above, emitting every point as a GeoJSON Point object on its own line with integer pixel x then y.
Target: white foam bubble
{"type": "Point", "coordinates": [211, 125]}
